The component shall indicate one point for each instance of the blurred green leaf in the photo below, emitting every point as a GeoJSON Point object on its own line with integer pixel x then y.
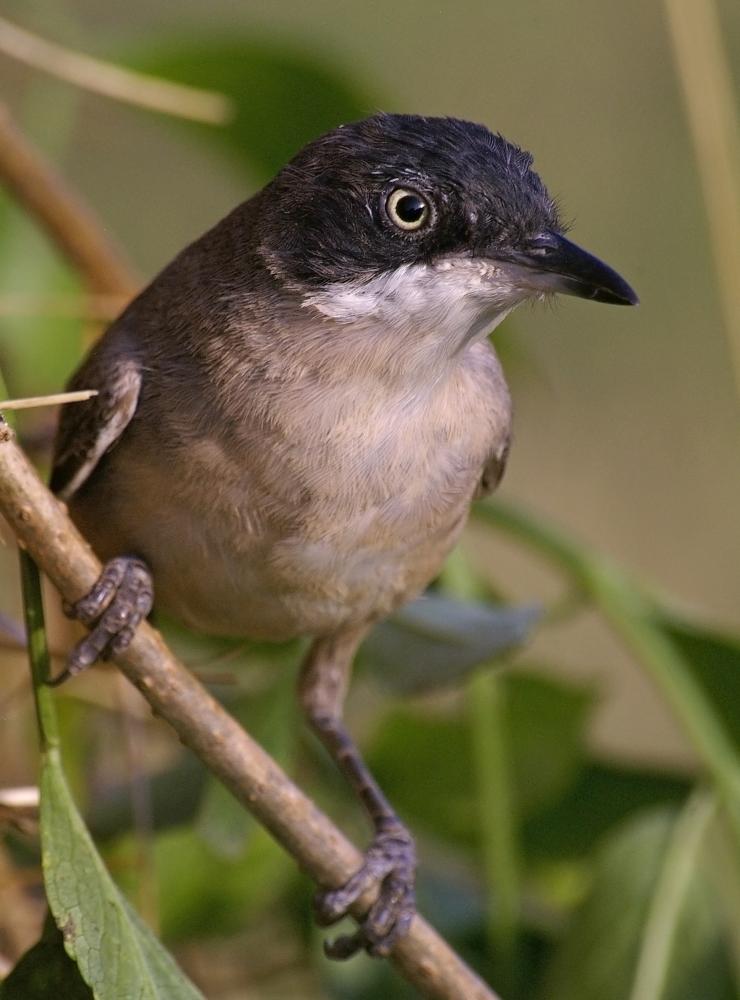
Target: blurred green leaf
{"type": "Point", "coordinates": [283, 97]}
{"type": "Point", "coordinates": [364, 979]}
{"type": "Point", "coordinates": [271, 717]}
{"type": "Point", "coordinates": [602, 795]}
{"type": "Point", "coordinates": [424, 762]}
{"type": "Point", "coordinates": [37, 352]}
{"type": "Point", "coordinates": [46, 972]}
{"type": "Point", "coordinates": [636, 619]}
{"type": "Point", "coordinates": [436, 641]}
{"type": "Point", "coordinates": [547, 726]}
{"type": "Point", "coordinates": [204, 892]}
{"type": "Point", "coordinates": [714, 658]}
{"type": "Point", "coordinates": [598, 954]}
{"type": "Point", "coordinates": [116, 953]}
{"type": "Point", "coordinates": [175, 792]}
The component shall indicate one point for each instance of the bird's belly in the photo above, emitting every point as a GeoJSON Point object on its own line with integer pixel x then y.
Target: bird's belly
{"type": "Point", "coordinates": [303, 582]}
{"type": "Point", "coordinates": [308, 530]}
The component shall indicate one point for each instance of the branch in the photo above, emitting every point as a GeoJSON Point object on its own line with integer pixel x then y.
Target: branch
{"type": "Point", "coordinates": [42, 525]}
{"type": "Point", "coordinates": [117, 82]}
{"type": "Point", "coordinates": [69, 223]}
{"type": "Point", "coordinates": [63, 306]}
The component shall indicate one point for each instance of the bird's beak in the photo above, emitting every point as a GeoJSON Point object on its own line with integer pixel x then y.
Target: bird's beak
{"type": "Point", "coordinates": [554, 264]}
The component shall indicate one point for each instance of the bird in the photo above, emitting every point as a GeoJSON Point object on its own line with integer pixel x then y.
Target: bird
{"type": "Point", "coordinates": [293, 419]}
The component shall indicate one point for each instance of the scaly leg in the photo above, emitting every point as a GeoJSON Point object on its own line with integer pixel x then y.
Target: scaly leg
{"type": "Point", "coordinates": [391, 857]}
{"type": "Point", "coordinates": [120, 599]}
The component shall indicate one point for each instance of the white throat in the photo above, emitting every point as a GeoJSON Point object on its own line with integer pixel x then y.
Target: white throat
{"type": "Point", "coordinates": [449, 303]}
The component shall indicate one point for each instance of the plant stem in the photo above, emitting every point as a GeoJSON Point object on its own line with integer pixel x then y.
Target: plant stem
{"type": "Point", "coordinates": [674, 881]}
{"type": "Point", "coordinates": [498, 835]}
{"type": "Point", "coordinates": [704, 74]}
{"type": "Point", "coordinates": [38, 654]}
{"type": "Point", "coordinates": [486, 709]}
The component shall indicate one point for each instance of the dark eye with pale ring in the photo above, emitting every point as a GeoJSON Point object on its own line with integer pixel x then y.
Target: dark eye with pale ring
{"type": "Point", "coordinates": [407, 209]}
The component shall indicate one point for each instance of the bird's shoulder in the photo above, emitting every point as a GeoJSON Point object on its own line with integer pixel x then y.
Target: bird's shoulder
{"type": "Point", "coordinates": [87, 430]}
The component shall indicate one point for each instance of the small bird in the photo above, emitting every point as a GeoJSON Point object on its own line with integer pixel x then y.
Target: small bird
{"type": "Point", "coordinates": [293, 418]}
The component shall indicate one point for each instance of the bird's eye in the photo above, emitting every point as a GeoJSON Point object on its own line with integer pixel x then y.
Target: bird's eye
{"type": "Point", "coordinates": [407, 209]}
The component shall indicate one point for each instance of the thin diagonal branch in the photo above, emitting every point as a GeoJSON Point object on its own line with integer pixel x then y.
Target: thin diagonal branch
{"type": "Point", "coordinates": [41, 524]}
{"type": "Point", "coordinates": [62, 306]}
{"type": "Point", "coordinates": [116, 82]}
{"type": "Point", "coordinates": [74, 229]}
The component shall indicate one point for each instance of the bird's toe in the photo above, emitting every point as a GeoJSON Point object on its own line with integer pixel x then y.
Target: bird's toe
{"type": "Point", "coordinates": [390, 861]}
{"type": "Point", "coordinates": [119, 600]}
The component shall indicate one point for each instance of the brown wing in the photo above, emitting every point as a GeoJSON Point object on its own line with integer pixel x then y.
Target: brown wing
{"type": "Point", "coordinates": [87, 430]}
{"type": "Point", "coordinates": [493, 470]}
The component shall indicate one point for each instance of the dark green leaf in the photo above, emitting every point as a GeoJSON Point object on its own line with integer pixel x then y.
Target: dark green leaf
{"type": "Point", "coordinates": [283, 97]}
{"type": "Point", "coordinates": [603, 795]}
{"type": "Point", "coordinates": [271, 717]}
{"type": "Point", "coordinates": [547, 725]}
{"type": "Point", "coordinates": [204, 891]}
{"type": "Point", "coordinates": [424, 762]}
{"type": "Point", "coordinates": [714, 658]}
{"type": "Point", "coordinates": [436, 641]}
{"type": "Point", "coordinates": [176, 794]}
{"type": "Point", "coordinates": [46, 972]}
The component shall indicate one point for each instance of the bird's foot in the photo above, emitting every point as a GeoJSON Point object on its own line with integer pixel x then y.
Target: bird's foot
{"type": "Point", "coordinates": [391, 861]}
{"type": "Point", "coordinates": [120, 599]}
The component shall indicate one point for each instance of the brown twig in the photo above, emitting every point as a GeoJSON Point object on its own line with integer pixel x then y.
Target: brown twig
{"type": "Point", "coordinates": [105, 78]}
{"type": "Point", "coordinates": [41, 524]}
{"type": "Point", "coordinates": [71, 306]}
{"type": "Point", "coordinates": [53, 399]}
{"type": "Point", "coordinates": [69, 223]}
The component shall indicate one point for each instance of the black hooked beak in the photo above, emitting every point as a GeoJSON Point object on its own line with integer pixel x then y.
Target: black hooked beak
{"type": "Point", "coordinates": [557, 265]}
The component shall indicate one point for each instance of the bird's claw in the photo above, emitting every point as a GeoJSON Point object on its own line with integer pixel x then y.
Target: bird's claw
{"type": "Point", "coordinates": [391, 861]}
{"type": "Point", "coordinates": [121, 598]}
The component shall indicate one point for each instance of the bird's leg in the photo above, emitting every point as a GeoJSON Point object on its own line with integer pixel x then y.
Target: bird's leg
{"type": "Point", "coordinates": [120, 599]}
{"type": "Point", "coordinates": [390, 859]}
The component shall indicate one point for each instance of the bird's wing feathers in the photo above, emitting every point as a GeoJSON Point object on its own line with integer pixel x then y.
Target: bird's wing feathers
{"type": "Point", "coordinates": [493, 470]}
{"type": "Point", "coordinates": [87, 430]}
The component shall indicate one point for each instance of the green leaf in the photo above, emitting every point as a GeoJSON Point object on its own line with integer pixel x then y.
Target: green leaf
{"type": "Point", "coordinates": [117, 954]}
{"type": "Point", "coordinates": [436, 641]}
{"type": "Point", "coordinates": [283, 97]}
{"type": "Point", "coordinates": [598, 955]}
{"type": "Point", "coordinates": [424, 762]}
{"type": "Point", "coordinates": [176, 794]}
{"type": "Point", "coordinates": [547, 726]}
{"type": "Point", "coordinates": [202, 891]}
{"type": "Point", "coordinates": [46, 972]}
{"type": "Point", "coordinates": [602, 795]}
{"type": "Point", "coordinates": [271, 717]}
{"type": "Point", "coordinates": [714, 658]}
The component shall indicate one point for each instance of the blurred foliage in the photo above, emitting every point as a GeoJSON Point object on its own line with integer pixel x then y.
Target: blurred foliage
{"type": "Point", "coordinates": [283, 98]}
{"type": "Point", "coordinates": [555, 872]}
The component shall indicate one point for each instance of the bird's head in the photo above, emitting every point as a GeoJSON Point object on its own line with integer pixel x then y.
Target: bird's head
{"type": "Point", "coordinates": [431, 221]}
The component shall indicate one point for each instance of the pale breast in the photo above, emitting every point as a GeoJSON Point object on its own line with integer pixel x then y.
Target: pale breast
{"type": "Point", "coordinates": [386, 480]}
{"type": "Point", "coordinates": [300, 526]}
